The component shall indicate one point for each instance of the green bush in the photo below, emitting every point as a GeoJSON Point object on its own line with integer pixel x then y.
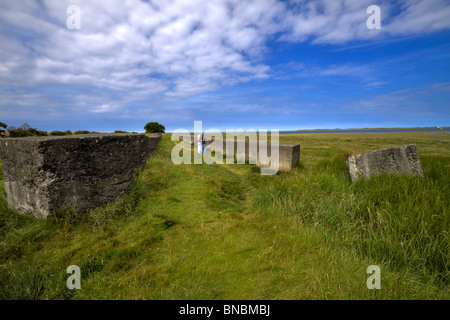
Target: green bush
{"type": "Point", "coordinates": [25, 131]}
{"type": "Point", "coordinates": [120, 131]}
{"type": "Point", "coordinates": [81, 132]}
{"type": "Point", "coordinates": [58, 133]}
{"type": "Point", "coordinates": [40, 133]}
{"type": "Point", "coordinates": [19, 133]}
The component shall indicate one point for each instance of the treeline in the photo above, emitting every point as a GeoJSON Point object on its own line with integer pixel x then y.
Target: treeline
{"type": "Point", "coordinates": [26, 131]}
{"type": "Point", "coordinates": [23, 131]}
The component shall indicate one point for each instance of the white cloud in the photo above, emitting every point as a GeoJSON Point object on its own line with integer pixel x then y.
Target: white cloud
{"type": "Point", "coordinates": [419, 16]}
{"type": "Point", "coordinates": [346, 70]}
{"type": "Point", "coordinates": [104, 108]}
{"type": "Point", "coordinates": [179, 47]}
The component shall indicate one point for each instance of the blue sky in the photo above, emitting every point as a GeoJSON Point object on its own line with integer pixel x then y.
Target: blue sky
{"type": "Point", "coordinates": [262, 64]}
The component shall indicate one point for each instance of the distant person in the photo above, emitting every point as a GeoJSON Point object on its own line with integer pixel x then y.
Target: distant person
{"type": "Point", "coordinates": [200, 143]}
{"type": "Point", "coordinates": [203, 143]}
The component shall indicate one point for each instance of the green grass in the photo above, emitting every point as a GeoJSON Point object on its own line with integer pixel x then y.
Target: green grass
{"type": "Point", "coordinates": [226, 232]}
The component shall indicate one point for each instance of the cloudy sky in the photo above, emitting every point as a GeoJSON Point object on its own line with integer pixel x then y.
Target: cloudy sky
{"type": "Point", "coordinates": [259, 64]}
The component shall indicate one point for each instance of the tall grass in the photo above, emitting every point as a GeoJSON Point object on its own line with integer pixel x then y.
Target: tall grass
{"type": "Point", "coordinates": [400, 220]}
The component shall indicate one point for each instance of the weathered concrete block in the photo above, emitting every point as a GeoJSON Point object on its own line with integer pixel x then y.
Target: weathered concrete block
{"type": "Point", "coordinates": [289, 153]}
{"type": "Point", "coordinates": [395, 160]}
{"type": "Point", "coordinates": [289, 156]}
{"type": "Point", "coordinates": [155, 140]}
{"type": "Point", "coordinates": [81, 172]}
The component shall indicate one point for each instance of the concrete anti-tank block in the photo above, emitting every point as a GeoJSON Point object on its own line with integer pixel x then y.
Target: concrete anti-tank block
{"type": "Point", "coordinates": [289, 156]}
{"type": "Point", "coordinates": [289, 153]}
{"type": "Point", "coordinates": [81, 172]}
{"type": "Point", "coordinates": [155, 140]}
{"type": "Point", "coordinates": [396, 160]}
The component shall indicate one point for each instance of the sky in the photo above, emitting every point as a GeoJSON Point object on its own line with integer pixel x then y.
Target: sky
{"type": "Point", "coordinates": [260, 64]}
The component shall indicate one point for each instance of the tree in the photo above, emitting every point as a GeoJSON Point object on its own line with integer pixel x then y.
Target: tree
{"type": "Point", "coordinates": [154, 127]}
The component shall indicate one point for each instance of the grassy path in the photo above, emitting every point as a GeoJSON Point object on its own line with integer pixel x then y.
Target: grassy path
{"type": "Point", "coordinates": [219, 247]}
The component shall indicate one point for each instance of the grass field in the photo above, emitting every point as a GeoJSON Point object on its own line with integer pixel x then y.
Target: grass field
{"type": "Point", "coordinates": [226, 232]}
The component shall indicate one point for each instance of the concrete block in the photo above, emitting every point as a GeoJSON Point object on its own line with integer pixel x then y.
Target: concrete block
{"type": "Point", "coordinates": [155, 140]}
{"type": "Point", "coordinates": [81, 172]}
{"type": "Point", "coordinates": [289, 156]}
{"type": "Point", "coordinates": [289, 153]}
{"type": "Point", "coordinates": [395, 160]}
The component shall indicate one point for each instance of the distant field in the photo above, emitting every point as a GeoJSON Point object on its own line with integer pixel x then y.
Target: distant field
{"type": "Point", "coordinates": [404, 129]}
{"type": "Point", "coordinates": [226, 232]}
